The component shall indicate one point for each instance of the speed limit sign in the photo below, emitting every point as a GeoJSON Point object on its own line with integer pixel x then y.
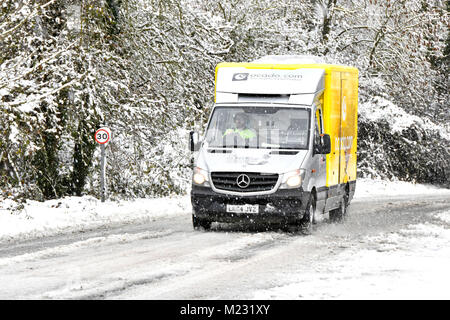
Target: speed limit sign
{"type": "Point", "coordinates": [102, 135]}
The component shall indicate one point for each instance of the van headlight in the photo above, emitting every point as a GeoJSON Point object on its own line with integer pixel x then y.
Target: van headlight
{"type": "Point", "coordinates": [200, 177]}
{"type": "Point", "coordinates": [292, 179]}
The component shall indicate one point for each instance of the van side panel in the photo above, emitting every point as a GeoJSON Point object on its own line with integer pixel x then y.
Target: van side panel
{"type": "Point", "coordinates": [340, 122]}
{"type": "Point", "coordinates": [332, 114]}
{"type": "Point", "coordinates": [348, 134]}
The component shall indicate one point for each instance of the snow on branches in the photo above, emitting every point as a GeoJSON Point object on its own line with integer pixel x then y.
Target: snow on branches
{"type": "Point", "coordinates": [145, 68]}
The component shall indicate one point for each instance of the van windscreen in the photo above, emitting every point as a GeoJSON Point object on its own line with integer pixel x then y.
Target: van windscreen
{"type": "Point", "coordinates": [259, 127]}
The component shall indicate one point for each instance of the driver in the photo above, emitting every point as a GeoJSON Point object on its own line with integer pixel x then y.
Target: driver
{"type": "Point", "coordinates": [241, 121]}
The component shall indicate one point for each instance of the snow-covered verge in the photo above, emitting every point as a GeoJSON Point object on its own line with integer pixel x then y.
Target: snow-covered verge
{"type": "Point", "coordinates": [376, 187]}
{"type": "Point", "coordinates": [70, 214]}
{"type": "Point", "coordinates": [409, 264]}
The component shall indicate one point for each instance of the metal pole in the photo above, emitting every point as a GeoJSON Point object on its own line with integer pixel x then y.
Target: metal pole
{"type": "Point", "coordinates": [102, 172]}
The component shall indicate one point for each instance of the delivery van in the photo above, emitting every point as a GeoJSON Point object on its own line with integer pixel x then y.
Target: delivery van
{"type": "Point", "coordinates": [279, 146]}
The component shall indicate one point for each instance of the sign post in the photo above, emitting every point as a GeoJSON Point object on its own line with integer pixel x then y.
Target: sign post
{"type": "Point", "coordinates": [102, 136]}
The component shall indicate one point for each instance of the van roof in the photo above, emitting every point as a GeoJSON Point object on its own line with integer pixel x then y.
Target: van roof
{"type": "Point", "coordinates": [287, 66]}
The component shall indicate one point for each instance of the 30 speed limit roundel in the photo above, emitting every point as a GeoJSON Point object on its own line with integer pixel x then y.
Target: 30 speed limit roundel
{"type": "Point", "coordinates": [102, 135]}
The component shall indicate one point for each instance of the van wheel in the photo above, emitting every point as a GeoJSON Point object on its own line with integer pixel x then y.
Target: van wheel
{"type": "Point", "coordinates": [339, 214]}
{"type": "Point", "coordinates": [199, 223]}
{"type": "Point", "coordinates": [309, 217]}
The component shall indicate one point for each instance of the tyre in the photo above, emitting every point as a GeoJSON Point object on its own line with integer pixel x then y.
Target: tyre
{"type": "Point", "coordinates": [339, 214]}
{"type": "Point", "coordinates": [199, 223]}
{"type": "Point", "coordinates": [308, 219]}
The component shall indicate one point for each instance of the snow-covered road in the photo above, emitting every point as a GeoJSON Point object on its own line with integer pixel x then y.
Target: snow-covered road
{"type": "Point", "coordinates": [391, 246]}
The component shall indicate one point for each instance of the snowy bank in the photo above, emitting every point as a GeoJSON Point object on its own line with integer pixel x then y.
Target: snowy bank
{"type": "Point", "coordinates": [383, 109]}
{"type": "Point", "coordinates": [370, 188]}
{"type": "Point", "coordinates": [70, 214]}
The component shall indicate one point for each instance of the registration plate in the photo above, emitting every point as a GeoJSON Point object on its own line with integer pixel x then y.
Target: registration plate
{"type": "Point", "coordinates": [243, 208]}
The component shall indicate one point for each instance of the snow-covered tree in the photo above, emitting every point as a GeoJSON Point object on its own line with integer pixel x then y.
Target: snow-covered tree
{"type": "Point", "coordinates": [145, 68]}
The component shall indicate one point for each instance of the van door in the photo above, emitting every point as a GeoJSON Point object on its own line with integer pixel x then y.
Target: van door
{"type": "Point", "coordinates": [322, 170]}
{"type": "Point", "coordinates": [320, 162]}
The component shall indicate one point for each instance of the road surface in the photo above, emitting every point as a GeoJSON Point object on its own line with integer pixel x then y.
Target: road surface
{"type": "Point", "coordinates": [397, 247]}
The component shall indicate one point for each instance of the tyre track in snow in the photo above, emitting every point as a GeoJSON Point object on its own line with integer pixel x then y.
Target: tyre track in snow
{"type": "Point", "coordinates": [93, 259]}
{"type": "Point", "coordinates": [166, 259]}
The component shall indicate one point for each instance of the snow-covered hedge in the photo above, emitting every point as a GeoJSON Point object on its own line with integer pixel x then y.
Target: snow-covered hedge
{"type": "Point", "coordinates": [146, 70]}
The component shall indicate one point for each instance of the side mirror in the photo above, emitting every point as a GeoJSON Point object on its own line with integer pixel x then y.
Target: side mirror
{"type": "Point", "coordinates": [326, 144]}
{"type": "Point", "coordinates": [194, 144]}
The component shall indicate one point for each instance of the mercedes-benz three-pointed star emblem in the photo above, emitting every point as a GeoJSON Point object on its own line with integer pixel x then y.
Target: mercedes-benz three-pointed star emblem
{"type": "Point", "coordinates": [243, 181]}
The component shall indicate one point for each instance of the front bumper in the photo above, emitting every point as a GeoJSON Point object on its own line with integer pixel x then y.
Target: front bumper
{"type": "Point", "coordinates": [283, 206]}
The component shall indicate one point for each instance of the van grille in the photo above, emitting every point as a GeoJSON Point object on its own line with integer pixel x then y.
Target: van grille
{"type": "Point", "coordinates": [258, 181]}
